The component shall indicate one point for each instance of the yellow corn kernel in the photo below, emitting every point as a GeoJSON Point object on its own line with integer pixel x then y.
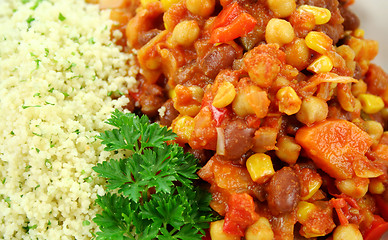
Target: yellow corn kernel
{"type": "Point", "coordinates": [376, 186]}
{"type": "Point", "coordinates": [318, 41]}
{"type": "Point", "coordinates": [289, 101]}
{"type": "Point", "coordinates": [217, 232]}
{"type": "Point", "coordinates": [359, 33]}
{"type": "Point", "coordinates": [371, 103]}
{"type": "Point", "coordinates": [260, 167]}
{"type": "Point", "coordinates": [314, 186]}
{"type": "Point", "coordinates": [225, 95]}
{"type": "Point", "coordinates": [304, 209]}
{"type": "Point", "coordinates": [322, 64]}
{"type": "Point", "coordinates": [166, 4]}
{"type": "Point", "coordinates": [183, 126]}
{"type": "Point", "coordinates": [321, 15]}
{"type": "Point", "coordinates": [144, 3]}
{"type": "Point", "coordinates": [261, 229]}
{"type": "Point", "coordinates": [171, 93]}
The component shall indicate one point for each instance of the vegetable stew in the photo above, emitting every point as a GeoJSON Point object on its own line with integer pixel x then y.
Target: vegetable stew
{"type": "Point", "coordinates": [280, 102]}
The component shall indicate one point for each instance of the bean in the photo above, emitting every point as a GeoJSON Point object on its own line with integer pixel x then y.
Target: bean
{"type": "Point", "coordinates": [283, 191]}
{"type": "Point", "coordinates": [216, 59]}
{"type": "Point", "coordinates": [170, 113]}
{"type": "Point", "coordinates": [238, 139]}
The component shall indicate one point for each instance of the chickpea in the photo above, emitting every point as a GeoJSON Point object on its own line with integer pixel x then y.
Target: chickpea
{"type": "Point", "coordinates": [313, 109]}
{"type": "Point", "coordinates": [374, 129]}
{"type": "Point", "coordinates": [185, 33]}
{"type": "Point", "coordinates": [344, 232]}
{"type": "Point", "coordinates": [217, 233]}
{"type": "Point", "coordinates": [282, 8]}
{"type": "Point", "coordinates": [287, 149]}
{"type": "Point", "coordinates": [203, 8]}
{"type": "Point", "coordinates": [355, 187]}
{"type": "Point", "coordinates": [289, 101]}
{"type": "Point", "coordinates": [260, 230]}
{"type": "Point", "coordinates": [359, 88]}
{"type": "Point", "coordinates": [279, 31]}
{"type": "Point", "coordinates": [297, 54]}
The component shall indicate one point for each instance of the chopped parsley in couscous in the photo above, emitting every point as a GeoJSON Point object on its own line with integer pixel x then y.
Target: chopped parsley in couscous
{"type": "Point", "coordinates": [60, 78]}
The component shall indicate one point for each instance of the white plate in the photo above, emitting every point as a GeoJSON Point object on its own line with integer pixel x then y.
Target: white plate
{"type": "Point", "coordinates": [374, 20]}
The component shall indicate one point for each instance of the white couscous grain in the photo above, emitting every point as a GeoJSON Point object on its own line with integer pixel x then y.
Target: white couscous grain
{"type": "Point", "coordinates": [58, 68]}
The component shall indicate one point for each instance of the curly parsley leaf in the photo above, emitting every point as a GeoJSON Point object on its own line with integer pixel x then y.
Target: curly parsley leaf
{"type": "Point", "coordinates": [155, 197]}
{"type": "Point", "coordinates": [115, 221]}
{"type": "Point", "coordinates": [134, 133]}
{"type": "Point", "coordinates": [155, 168]}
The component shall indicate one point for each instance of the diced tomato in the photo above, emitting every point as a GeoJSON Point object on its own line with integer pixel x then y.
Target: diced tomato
{"type": "Point", "coordinates": [241, 213]}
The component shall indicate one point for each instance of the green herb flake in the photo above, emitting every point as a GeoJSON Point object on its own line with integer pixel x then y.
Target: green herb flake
{"type": "Point", "coordinates": [85, 223]}
{"type": "Point", "coordinates": [61, 17]}
{"type": "Point", "coordinates": [37, 186]}
{"type": "Point", "coordinates": [12, 133]}
{"type": "Point", "coordinates": [36, 95]}
{"type": "Point", "coordinates": [65, 94]}
{"type": "Point", "coordinates": [88, 179]}
{"type": "Point", "coordinates": [91, 40]}
{"type": "Point", "coordinates": [75, 39]}
{"type": "Point", "coordinates": [48, 164]}
{"type": "Point", "coordinates": [37, 134]}
{"type": "Point", "coordinates": [27, 168]}
{"type": "Point", "coordinates": [3, 181]}
{"type": "Point", "coordinates": [29, 20]}
{"type": "Point", "coordinates": [48, 223]}
{"type": "Point", "coordinates": [37, 2]}
{"type": "Point", "coordinates": [28, 227]}
{"type": "Point", "coordinates": [46, 52]}
{"type": "Point", "coordinates": [8, 200]}
{"type": "Point", "coordinates": [70, 67]}
{"type": "Point", "coordinates": [77, 131]}
{"type": "Point", "coordinates": [37, 150]}
{"type": "Point", "coordinates": [25, 1]}
{"type": "Point", "coordinates": [25, 106]}
{"type": "Point", "coordinates": [48, 103]}
{"type": "Point", "coordinates": [51, 90]}
{"type": "Point", "coordinates": [77, 76]}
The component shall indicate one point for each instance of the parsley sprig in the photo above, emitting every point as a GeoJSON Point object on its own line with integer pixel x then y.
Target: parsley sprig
{"type": "Point", "coordinates": [150, 194]}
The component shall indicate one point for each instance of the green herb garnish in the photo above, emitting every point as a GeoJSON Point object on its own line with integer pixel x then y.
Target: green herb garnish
{"type": "Point", "coordinates": [61, 17]}
{"type": "Point", "coordinates": [29, 20]}
{"type": "Point", "coordinates": [155, 198]}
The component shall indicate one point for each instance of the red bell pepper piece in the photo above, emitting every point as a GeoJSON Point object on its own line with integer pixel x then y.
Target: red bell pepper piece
{"type": "Point", "coordinates": [219, 114]}
{"type": "Point", "coordinates": [382, 205]}
{"type": "Point", "coordinates": [231, 23]}
{"type": "Point", "coordinates": [227, 15]}
{"type": "Point", "coordinates": [378, 228]}
{"type": "Point", "coordinates": [339, 205]}
{"type": "Point", "coordinates": [240, 26]}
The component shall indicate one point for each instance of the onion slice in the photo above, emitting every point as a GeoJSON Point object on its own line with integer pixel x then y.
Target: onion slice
{"type": "Point", "coordinates": [220, 150]}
